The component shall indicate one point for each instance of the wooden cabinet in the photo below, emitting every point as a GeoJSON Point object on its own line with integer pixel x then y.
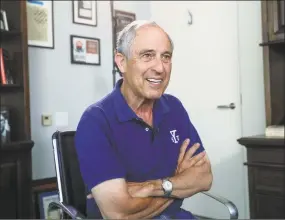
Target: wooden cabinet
{"type": "Point", "coordinates": [273, 12]}
{"type": "Point", "coordinates": [16, 143]}
{"type": "Point", "coordinates": [266, 175]}
{"type": "Point", "coordinates": [16, 181]}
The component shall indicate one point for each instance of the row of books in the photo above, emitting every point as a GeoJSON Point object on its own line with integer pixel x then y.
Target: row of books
{"type": "Point", "coordinates": [5, 68]}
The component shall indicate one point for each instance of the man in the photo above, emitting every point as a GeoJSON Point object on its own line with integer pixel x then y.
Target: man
{"type": "Point", "coordinates": [134, 145]}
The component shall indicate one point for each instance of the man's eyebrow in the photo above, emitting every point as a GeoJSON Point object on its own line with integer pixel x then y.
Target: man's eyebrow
{"type": "Point", "coordinates": [146, 51]}
{"type": "Point", "coordinates": [151, 51]}
{"type": "Point", "coordinates": [167, 52]}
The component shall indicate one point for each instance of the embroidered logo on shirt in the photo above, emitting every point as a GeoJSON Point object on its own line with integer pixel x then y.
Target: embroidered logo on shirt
{"type": "Point", "coordinates": [174, 137]}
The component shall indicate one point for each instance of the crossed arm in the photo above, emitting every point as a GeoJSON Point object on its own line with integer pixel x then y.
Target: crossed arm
{"type": "Point", "coordinates": [118, 199]}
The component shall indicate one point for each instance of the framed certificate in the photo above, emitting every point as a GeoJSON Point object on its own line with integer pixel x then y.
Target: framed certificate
{"type": "Point", "coordinates": [84, 12]}
{"type": "Point", "coordinates": [40, 23]}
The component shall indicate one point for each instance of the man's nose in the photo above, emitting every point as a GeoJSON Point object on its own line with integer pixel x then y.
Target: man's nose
{"type": "Point", "coordinates": [158, 66]}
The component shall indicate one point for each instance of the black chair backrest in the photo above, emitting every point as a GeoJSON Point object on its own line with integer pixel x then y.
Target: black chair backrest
{"type": "Point", "coordinates": [72, 186]}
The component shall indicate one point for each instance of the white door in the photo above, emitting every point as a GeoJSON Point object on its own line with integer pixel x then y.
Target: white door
{"type": "Point", "coordinates": [205, 75]}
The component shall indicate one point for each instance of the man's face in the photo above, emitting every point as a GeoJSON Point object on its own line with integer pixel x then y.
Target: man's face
{"type": "Point", "coordinates": [147, 72]}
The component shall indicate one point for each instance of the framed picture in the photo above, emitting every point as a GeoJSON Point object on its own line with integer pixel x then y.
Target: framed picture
{"type": "Point", "coordinates": [45, 198]}
{"type": "Point", "coordinates": [3, 21]}
{"type": "Point", "coordinates": [84, 12]}
{"type": "Point", "coordinates": [5, 125]}
{"type": "Point", "coordinates": [122, 19]}
{"type": "Point", "coordinates": [40, 19]}
{"type": "Point", "coordinates": [45, 191]}
{"type": "Point", "coordinates": [85, 50]}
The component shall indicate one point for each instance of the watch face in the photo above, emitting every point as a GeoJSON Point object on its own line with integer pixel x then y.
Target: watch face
{"type": "Point", "coordinates": [167, 185]}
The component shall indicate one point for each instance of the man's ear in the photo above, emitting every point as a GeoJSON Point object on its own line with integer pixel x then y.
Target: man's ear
{"type": "Point", "coordinates": [121, 62]}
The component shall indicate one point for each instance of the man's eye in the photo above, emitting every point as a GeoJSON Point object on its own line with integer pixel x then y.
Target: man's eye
{"type": "Point", "coordinates": [147, 55]}
{"type": "Point", "coordinates": [166, 57]}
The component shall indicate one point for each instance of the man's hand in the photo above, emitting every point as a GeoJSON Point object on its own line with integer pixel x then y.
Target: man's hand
{"type": "Point", "coordinates": [193, 173]}
{"type": "Point", "coordinates": [186, 159]}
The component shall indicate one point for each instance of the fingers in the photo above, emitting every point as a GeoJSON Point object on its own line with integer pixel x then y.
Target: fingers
{"type": "Point", "coordinates": [198, 158]}
{"type": "Point", "coordinates": [192, 150]}
{"type": "Point", "coordinates": [182, 150]}
{"type": "Point", "coordinates": [201, 162]}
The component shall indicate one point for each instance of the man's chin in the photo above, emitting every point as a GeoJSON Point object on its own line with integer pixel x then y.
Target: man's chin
{"type": "Point", "coordinates": [154, 96]}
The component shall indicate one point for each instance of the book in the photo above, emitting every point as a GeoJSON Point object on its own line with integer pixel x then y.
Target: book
{"type": "Point", "coordinates": [275, 131]}
{"type": "Point", "coordinates": [6, 68]}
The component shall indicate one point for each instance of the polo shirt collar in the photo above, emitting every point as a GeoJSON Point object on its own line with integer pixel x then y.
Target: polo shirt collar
{"type": "Point", "coordinates": [125, 113]}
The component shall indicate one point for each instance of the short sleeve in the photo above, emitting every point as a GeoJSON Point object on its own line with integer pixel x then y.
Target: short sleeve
{"type": "Point", "coordinates": [195, 138]}
{"type": "Point", "coordinates": [97, 156]}
{"type": "Point", "coordinates": [193, 134]}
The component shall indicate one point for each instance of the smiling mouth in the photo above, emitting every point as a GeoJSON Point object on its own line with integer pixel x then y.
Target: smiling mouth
{"type": "Point", "coordinates": [154, 81]}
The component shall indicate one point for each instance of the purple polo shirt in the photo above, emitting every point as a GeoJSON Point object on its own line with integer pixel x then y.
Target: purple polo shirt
{"type": "Point", "coordinates": [113, 142]}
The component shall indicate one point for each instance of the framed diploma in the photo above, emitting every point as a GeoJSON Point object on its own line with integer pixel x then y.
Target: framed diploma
{"type": "Point", "coordinates": [40, 23]}
{"type": "Point", "coordinates": [84, 12]}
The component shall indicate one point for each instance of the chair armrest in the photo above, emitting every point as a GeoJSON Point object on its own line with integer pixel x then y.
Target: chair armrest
{"type": "Point", "coordinates": [69, 210]}
{"type": "Point", "coordinates": [230, 205]}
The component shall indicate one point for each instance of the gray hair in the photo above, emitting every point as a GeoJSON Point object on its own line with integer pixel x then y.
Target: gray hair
{"type": "Point", "coordinates": [127, 35]}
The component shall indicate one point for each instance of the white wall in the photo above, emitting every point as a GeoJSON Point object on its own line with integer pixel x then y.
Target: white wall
{"type": "Point", "coordinates": [251, 75]}
{"type": "Point", "coordinates": [56, 85]}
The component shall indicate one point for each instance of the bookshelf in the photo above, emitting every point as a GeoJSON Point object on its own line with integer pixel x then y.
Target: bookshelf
{"type": "Point", "coordinates": [16, 144]}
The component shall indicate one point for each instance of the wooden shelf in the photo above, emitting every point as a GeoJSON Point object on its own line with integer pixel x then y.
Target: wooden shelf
{"type": "Point", "coordinates": [275, 42]}
{"type": "Point", "coordinates": [16, 153]}
{"type": "Point", "coordinates": [16, 145]}
{"type": "Point", "coordinates": [8, 35]}
{"type": "Point", "coordinates": [10, 87]}
{"type": "Point", "coordinates": [261, 140]}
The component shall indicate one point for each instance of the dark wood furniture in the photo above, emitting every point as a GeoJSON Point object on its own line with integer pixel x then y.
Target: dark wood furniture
{"type": "Point", "coordinates": [266, 156]}
{"type": "Point", "coordinates": [274, 55]}
{"type": "Point", "coordinates": [15, 154]}
{"type": "Point", "coordinates": [266, 176]}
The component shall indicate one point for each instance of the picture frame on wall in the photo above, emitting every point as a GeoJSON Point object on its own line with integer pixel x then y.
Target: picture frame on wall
{"type": "Point", "coordinates": [123, 18]}
{"type": "Point", "coordinates": [85, 50]}
{"type": "Point", "coordinates": [84, 12]}
{"type": "Point", "coordinates": [40, 23]}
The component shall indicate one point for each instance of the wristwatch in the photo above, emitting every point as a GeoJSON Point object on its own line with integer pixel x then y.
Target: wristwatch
{"type": "Point", "coordinates": [167, 187]}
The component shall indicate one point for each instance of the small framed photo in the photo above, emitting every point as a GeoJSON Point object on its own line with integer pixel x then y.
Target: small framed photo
{"type": "Point", "coordinates": [45, 198]}
{"type": "Point", "coordinates": [84, 12]}
{"type": "Point", "coordinates": [45, 191]}
{"type": "Point", "coordinates": [40, 22]}
{"type": "Point", "coordinates": [5, 125]}
{"type": "Point", "coordinates": [3, 21]}
{"type": "Point", "coordinates": [122, 19]}
{"type": "Point", "coordinates": [85, 50]}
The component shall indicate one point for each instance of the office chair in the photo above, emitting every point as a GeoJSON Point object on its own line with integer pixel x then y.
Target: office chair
{"type": "Point", "coordinates": [71, 188]}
